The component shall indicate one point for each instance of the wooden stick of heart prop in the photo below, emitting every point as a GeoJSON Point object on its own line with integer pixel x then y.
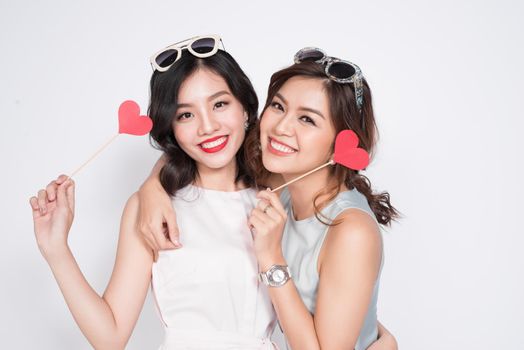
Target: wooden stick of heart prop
{"type": "Point", "coordinates": [347, 153]}
{"type": "Point", "coordinates": [129, 122]}
{"type": "Point", "coordinates": [93, 156]}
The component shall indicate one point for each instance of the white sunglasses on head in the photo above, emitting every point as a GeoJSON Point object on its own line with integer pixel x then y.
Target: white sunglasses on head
{"type": "Point", "coordinates": [199, 46]}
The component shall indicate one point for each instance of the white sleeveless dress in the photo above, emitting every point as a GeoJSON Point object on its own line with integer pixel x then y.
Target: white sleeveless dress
{"type": "Point", "coordinates": [207, 293]}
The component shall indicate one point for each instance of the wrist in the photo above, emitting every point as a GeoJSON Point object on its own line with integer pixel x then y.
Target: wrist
{"type": "Point", "coordinates": [56, 254]}
{"type": "Point", "coordinates": [276, 276]}
{"type": "Point", "coordinates": [265, 261]}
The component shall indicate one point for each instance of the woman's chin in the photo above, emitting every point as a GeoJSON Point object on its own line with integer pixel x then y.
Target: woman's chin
{"type": "Point", "coordinates": [216, 165]}
{"type": "Point", "coordinates": [275, 166]}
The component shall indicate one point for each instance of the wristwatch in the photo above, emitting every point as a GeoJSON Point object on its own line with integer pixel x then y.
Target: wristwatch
{"type": "Point", "coordinates": [276, 276]}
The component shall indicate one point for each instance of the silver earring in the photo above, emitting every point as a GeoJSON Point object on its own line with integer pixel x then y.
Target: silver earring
{"type": "Point", "coordinates": [246, 122]}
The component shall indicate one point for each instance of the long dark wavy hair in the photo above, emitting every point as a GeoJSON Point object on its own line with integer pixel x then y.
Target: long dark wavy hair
{"type": "Point", "coordinates": [345, 115]}
{"type": "Point", "coordinates": [180, 169]}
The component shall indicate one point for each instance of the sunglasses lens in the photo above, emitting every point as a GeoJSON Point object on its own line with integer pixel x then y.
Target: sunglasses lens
{"type": "Point", "coordinates": [166, 58]}
{"type": "Point", "coordinates": [341, 70]}
{"type": "Point", "coordinates": [310, 56]}
{"type": "Point", "coordinates": [203, 45]}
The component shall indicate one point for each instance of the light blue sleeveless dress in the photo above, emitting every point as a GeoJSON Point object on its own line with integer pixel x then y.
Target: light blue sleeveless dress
{"type": "Point", "coordinates": [301, 244]}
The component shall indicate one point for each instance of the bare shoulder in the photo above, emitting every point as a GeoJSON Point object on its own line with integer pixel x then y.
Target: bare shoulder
{"type": "Point", "coordinates": [130, 238]}
{"type": "Point", "coordinates": [128, 224]}
{"type": "Point", "coordinates": [132, 204]}
{"type": "Point", "coordinates": [355, 224]}
{"type": "Point", "coordinates": [131, 207]}
{"type": "Point", "coordinates": [357, 234]}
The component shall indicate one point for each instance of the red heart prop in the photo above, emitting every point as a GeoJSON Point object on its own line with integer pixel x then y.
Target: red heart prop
{"type": "Point", "coordinates": [131, 122]}
{"type": "Point", "coordinates": [347, 153]}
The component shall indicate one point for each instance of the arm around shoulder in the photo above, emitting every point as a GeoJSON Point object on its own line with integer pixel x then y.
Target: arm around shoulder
{"type": "Point", "coordinates": [155, 210]}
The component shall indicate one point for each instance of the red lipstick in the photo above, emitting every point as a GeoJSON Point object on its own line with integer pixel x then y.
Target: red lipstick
{"type": "Point", "coordinates": [216, 148]}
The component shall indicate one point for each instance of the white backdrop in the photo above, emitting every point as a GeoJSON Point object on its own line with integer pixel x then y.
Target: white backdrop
{"type": "Point", "coordinates": [447, 79]}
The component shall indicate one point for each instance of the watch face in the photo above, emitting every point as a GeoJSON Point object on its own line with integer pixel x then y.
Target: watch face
{"type": "Point", "coordinates": [278, 276]}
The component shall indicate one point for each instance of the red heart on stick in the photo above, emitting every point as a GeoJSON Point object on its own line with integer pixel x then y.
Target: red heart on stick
{"type": "Point", "coordinates": [131, 122]}
{"type": "Point", "coordinates": [347, 152]}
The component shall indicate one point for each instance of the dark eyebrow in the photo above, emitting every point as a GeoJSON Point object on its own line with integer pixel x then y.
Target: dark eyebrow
{"type": "Point", "coordinates": [215, 95]}
{"type": "Point", "coordinates": [307, 109]}
{"type": "Point", "coordinates": [183, 105]}
{"type": "Point", "coordinates": [281, 97]}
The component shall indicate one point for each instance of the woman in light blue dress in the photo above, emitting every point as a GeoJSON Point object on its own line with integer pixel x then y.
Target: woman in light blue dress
{"type": "Point", "coordinates": [326, 226]}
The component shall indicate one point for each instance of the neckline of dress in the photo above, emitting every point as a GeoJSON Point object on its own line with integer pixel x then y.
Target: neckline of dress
{"type": "Point", "coordinates": [313, 217]}
{"type": "Point", "coordinates": [193, 187]}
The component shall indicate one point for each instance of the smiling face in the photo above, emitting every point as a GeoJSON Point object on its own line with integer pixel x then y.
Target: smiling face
{"type": "Point", "coordinates": [209, 121]}
{"type": "Point", "coordinates": [296, 129]}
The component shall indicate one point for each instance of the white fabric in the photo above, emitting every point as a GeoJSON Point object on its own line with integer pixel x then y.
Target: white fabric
{"type": "Point", "coordinates": [197, 340]}
{"type": "Point", "coordinates": [207, 293]}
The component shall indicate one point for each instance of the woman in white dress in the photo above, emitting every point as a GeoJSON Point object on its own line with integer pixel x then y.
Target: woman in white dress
{"type": "Point", "coordinates": [208, 295]}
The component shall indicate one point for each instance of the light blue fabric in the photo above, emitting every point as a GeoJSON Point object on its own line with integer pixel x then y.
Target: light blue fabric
{"type": "Point", "coordinates": [301, 244]}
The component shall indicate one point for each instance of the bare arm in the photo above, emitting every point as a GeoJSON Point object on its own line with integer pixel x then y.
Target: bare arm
{"type": "Point", "coordinates": [107, 321]}
{"type": "Point", "coordinates": [156, 217]}
{"type": "Point", "coordinates": [348, 270]}
{"type": "Point", "coordinates": [349, 267]}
